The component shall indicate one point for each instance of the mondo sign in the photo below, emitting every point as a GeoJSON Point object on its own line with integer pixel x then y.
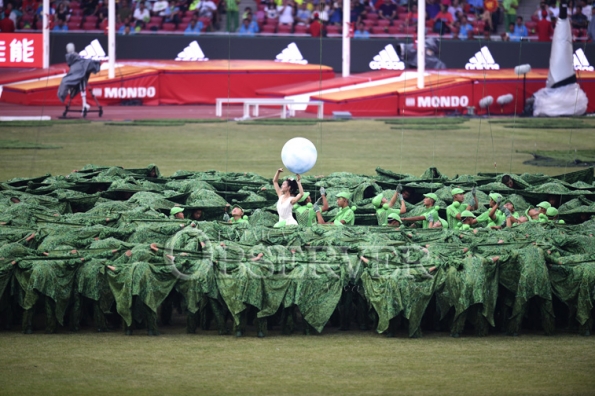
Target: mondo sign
{"type": "Point", "coordinates": [21, 50]}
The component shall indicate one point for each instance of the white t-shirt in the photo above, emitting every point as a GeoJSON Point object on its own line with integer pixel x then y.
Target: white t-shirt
{"type": "Point", "coordinates": [285, 16]}
{"type": "Point", "coordinates": [206, 8]}
{"type": "Point", "coordinates": [141, 15]}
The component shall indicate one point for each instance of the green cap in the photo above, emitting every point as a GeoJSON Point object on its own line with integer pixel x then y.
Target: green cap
{"type": "Point", "coordinates": [304, 197]}
{"type": "Point", "coordinates": [237, 206]}
{"type": "Point", "coordinates": [394, 216]}
{"type": "Point", "coordinates": [175, 210]}
{"type": "Point", "coordinates": [456, 191]}
{"type": "Point", "coordinates": [431, 195]}
{"type": "Point", "coordinates": [467, 213]}
{"type": "Point", "coordinates": [377, 201]}
{"type": "Point", "coordinates": [345, 195]}
{"type": "Point", "coordinates": [545, 205]}
{"type": "Point", "coordinates": [509, 201]}
{"type": "Point", "coordinates": [495, 196]}
{"type": "Point", "coordinates": [551, 212]}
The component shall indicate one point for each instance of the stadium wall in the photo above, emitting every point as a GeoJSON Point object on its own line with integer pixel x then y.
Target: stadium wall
{"type": "Point", "coordinates": [327, 51]}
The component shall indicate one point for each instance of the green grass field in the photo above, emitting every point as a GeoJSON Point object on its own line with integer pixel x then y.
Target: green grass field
{"type": "Point", "coordinates": [355, 146]}
{"type": "Point", "coordinates": [329, 364]}
{"type": "Point", "coordinates": [332, 363]}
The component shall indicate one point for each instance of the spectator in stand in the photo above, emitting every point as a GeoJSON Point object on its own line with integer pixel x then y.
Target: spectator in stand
{"type": "Point", "coordinates": [248, 15]}
{"type": "Point", "coordinates": [323, 12]}
{"type": "Point", "coordinates": [432, 9]}
{"type": "Point", "coordinates": [159, 7]}
{"type": "Point", "coordinates": [141, 15]}
{"type": "Point", "coordinates": [553, 9]}
{"type": "Point", "coordinates": [361, 32]}
{"type": "Point", "coordinates": [411, 17]}
{"type": "Point", "coordinates": [208, 9]}
{"type": "Point", "coordinates": [60, 26]}
{"type": "Point", "coordinates": [454, 8]}
{"type": "Point", "coordinates": [336, 17]}
{"type": "Point", "coordinates": [101, 21]}
{"type": "Point", "coordinates": [286, 13]}
{"type": "Point", "coordinates": [587, 10]}
{"type": "Point", "coordinates": [126, 30]}
{"type": "Point", "coordinates": [6, 23]}
{"type": "Point", "coordinates": [520, 30]}
{"type": "Point", "coordinates": [303, 15]}
{"type": "Point", "coordinates": [89, 7]}
{"type": "Point", "coordinates": [475, 6]}
{"type": "Point", "coordinates": [591, 28]}
{"type": "Point", "coordinates": [465, 28]}
{"type": "Point", "coordinates": [544, 28]}
{"type": "Point", "coordinates": [232, 11]}
{"type": "Point", "coordinates": [488, 23]}
{"type": "Point", "coordinates": [510, 7]}
{"type": "Point", "coordinates": [63, 12]}
{"type": "Point", "coordinates": [271, 11]}
{"type": "Point", "coordinates": [578, 19]}
{"type": "Point", "coordinates": [194, 27]}
{"type": "Point", "coordinates": [316, 27]}
{"type": "Point", "coordinates": [358, 11]}
{"type": "Point", "coordinates": [509, 34]}
{"type": "Point", "coordinates": [246, 29]}
{"type": "Point", "coordinates": [388, 11]}
{"type": "Point", "coordinates": [124, 11]}
{"type": "Point", "coordinates": [544, 9]}
{"type": "Point", "coordinates": [101, 8]}
{"type": "Point", "coordinates": [172, 13]}
{"type": "Point", "coordinates": [443, 21]}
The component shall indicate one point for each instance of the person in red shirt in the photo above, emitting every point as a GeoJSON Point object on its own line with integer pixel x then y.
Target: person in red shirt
{"type": "Point", "coordinates": [315, 26]}
{"type": "Point", "coordinates": [443, 21]}
{"type": "Point", "coordinates": [544, 28]}
{"type": "Point", "coordinates": [6, 25]}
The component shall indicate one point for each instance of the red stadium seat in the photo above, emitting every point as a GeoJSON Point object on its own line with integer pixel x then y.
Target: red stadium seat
{"type": "Point", "coordinates": [76, 19]}
{"type": "Point", "coordinates": [156, 19]}
{"type": "Point", "coordinates": [402, 10]}
{"type": "Point", "coordinates": [206, 22]}
{"type": "Point", "coordinates": [333, 29]}
{"type": "Point", "coordinates": [300, 29]}
{"type": "Point", "coordinates": [272, 21]}
{"type": "Point", "coordinates": [395, 29]}
{"type": "Point", "coordinates": [382, 22]}
{"type": "Point", "coordinates": [169, 27]}
{"type": "Point", "coordinates": [369, 22]}
{"type": "Point", "coordinates": [530, 25]}
{"type": "Point", "coordinates": [378, 30]}
{"type": "Point", "coordinates": [186, 20]}
{"type": "Point", "coordinates": [91, 18]}
{"type": "Point", "coordinates": [284, 29]}
{"type": "Point", "coordinates": [89, 26]}
{"type": "Point", "coordinates": [372, 16]}
{"type": "Point", "coordinates": [269, 28]}
{"type": "Point", "coordinates": [429, 24]}
{"type": "Point", "coordinates": [74, 25]}
{"type": "Point", "coordinates": [150, 26]}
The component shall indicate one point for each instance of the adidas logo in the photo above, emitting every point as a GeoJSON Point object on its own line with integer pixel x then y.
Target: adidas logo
{"type": "Point", "coordinates": [93, 51]}
{"type": "Point", "coordinates": [291, 54]}
{"type": "Point", "coordinates": [387, 59]}
{"type": "Point", "coordinates": [192, 53]}
{"type": "Point", "coordinates": [482, 60]}
{"type": "Point", "coordinates": [581, 62]}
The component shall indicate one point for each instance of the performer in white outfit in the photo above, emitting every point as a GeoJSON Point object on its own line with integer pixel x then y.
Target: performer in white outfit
{"type": "Point", "coordinates": [289, 193]}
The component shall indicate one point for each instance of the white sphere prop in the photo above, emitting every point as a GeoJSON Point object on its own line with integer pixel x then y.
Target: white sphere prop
{"type": "Point", "coordinates": [299, 155]}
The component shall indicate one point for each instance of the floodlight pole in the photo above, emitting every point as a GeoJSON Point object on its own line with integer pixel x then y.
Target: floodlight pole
{"type": "Point", "coordinates": [421, 42]}
{"type": "Point", "coordinates": [346, 43]}
{"type": "Point", "coordinates": [111, 38]}
{"type": "Point", "coordinates": [45, 33]}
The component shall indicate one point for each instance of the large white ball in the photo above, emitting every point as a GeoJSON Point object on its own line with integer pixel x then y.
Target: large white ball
{"type": "Point", "coordinates": [299, 155]}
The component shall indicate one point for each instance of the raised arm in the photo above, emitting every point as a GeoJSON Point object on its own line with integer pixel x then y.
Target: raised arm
{"type": "Point", "coordinates": [301, 189]}
{"type": "Point", "coordinates": [276, 181]}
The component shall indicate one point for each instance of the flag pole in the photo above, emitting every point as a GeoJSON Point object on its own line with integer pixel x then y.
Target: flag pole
{"type": "Point", "coordinates": [346, 44]}
{"type": "Point", "coordinates": [111, 38]}
{"type": "Point", "coordinates": [421, 42]}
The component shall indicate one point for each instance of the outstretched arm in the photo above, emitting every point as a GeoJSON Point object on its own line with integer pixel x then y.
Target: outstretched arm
{"type": "Point", "coordinates": [276, 181]}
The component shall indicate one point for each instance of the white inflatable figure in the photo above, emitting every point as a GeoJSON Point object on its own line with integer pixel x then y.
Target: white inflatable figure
{"type": "Point", "coordinates": [562, 96]}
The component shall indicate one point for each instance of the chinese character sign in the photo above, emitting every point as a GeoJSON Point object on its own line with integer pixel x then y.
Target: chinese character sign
{"type": "Point", "coordinates": [21, 50]}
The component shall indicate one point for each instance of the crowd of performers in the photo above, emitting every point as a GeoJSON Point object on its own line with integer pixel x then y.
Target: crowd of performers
{"type": "Point", "coordinates": [124, 247]}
